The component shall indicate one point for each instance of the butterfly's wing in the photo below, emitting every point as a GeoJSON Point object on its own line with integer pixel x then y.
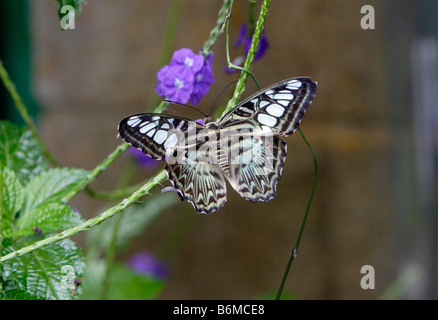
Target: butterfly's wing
{"type": "Point", "coordinates": [278, 108]}
{"type": "Point", "coordinates": [196, 181]}
{"type": "Point", "coordinates": [154, 133]}
{"type": "Point", "coordinates": [200, 183]}
{"type": "Point", "coordinates": [255, 166]}
{"type": "Point", "coordinates": [256, 155]}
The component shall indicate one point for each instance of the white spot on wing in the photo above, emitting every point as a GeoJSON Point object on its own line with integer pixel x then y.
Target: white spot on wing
{"type": "Point", "coordinates": [160, 136]}
{"type": "Point", "coordinates": [266, 130]}
{"type": "Point", "coordinates": [133, 121]}
{"type": "Point", "coordinates": [269, 93]}
{"type": "Point", "coordinates": [283, 96]}
{"type": "Point", "coordinates": [150, 133]}
{"type": "Point", "coordinates": [147, 126]}
{"type": "Point", "coordinates": [294, 85]}
{"type": "Point", "coordinates": [267, 120]}
{"type": "Point", "coordinates": [284, 102]}
{"type": "Point", "coordinates": [275, 110]}
{"type": "Point", "coordinates": [171, 141]}
{"type": "Point", "coordinates": [246, 110]}
{"type": "Point", "coordinates": [263, 103]}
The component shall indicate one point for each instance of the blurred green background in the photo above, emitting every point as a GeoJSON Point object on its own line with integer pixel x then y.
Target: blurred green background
{"type": "Point", "coordinates": [372, 126]}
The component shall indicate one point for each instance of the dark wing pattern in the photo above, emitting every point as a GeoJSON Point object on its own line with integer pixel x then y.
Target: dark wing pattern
{"type": "Point", "coordinates": [255, 169]}
{"type": "Point", "coordinates": [278, 108]}
{"type": "Point", "coordinates": [153, 133]}
{"type": "Point", "coordinates": [200, 183]}
{"type": "Point", "coordinates": [252, 159]}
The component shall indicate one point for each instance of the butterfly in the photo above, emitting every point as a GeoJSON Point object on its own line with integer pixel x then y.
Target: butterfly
{"type": "Point", "coordinates": [243, 146]}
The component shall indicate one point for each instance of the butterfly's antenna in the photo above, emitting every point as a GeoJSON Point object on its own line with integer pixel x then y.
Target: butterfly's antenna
{"type": "Point", "coordinates": [223, 90]}
{"type": "Point", "coordinates": [186, 105]}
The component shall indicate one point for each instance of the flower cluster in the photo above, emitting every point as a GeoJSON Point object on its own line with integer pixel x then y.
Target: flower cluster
{"type": "Point", "coordinates": [186, 78]}
{"type": "Point", "coordinates": [245, 40]}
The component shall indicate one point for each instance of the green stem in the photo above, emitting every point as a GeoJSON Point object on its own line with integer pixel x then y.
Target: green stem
{"type": "Point", "coordinates": [297, 242]}
{"type": "Point", "coordinates": [110, 254]}
{"type": "Point", "coordinates": [24, 114]}
{"type": "Point", "coordinates": [113, 195]}
{"type": "Point", "coordinates": [217, 30]}
{"type": "Point", "coordinates": [96, 172]}
{"type": "Point", "coordinates": [159, 178]}
{"type": "Point", "coordinates": [230, 64]}
{"type": "Point", "coordinates": [125, 179]}
{"type": "Point", "coordinates": [240, 86]}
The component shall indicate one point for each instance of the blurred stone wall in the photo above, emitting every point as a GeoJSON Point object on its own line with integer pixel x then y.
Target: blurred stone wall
{"type": "Point", "coordinates": [86, 80]}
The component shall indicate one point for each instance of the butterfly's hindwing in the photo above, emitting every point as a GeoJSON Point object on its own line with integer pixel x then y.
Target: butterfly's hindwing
{"type": "Point", "coordinates": [278, 108]}
{"type": "Point", "coordinates": [200, 183]}
{"type": "Point", "coordinates": [255, 168]}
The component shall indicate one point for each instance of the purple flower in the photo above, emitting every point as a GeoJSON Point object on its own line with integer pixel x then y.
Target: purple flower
{"type": "Point", "coordinates": [241, 36]}
{"type": "Point", "coordinates": [174, 83]}
{"type": "Point", "coordinates": [143, 160]}
{"type": "Point", "coordinates": [186, 78]}
{"type": "Point", "coordinates": [246, 40]}
{"type": "Point", "coordinates": [145, 262]}
{"type": "Point", "coordinates": [189, 62]}
{"type": "Point", "coordinates": [203, 80]}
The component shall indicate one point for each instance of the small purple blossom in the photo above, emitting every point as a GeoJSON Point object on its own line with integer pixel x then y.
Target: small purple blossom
{"type": "Point", "coordinates": [245, 40]}
{"type": "Point", "coordinates": [188, 61]}
{"type": "Point", "coordinates": [145, 262]}
{"type": "Point", "coordinates": [203, 80]}
{"type": "Point", "coordinates": [143, 160]}
{"type": "Point", "coordinates": [186, 78]}
{"type": "Point", "coordinates": [174, 83]}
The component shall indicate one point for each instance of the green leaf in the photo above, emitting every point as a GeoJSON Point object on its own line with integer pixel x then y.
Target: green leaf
{"type": "Point", "coordinates": [16, 294]}
{"type": "Point", "coordinates": [51, 186]}
{"type": "Point", "coordinates": [49, 218]}
{"type": "Point", "coordinates": [47, 273]}
{"type": "Point", "coordinates": [126, 284]}
{"type": "Point", "coordinates": [135, 219]}
{"type": "Point", "coordinates": [11, 199]}
{"type": "Point", "coordinates": [20, 152]}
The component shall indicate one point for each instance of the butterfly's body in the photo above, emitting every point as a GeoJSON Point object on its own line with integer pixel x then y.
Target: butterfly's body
{"type": "Point", "coordinates": [244, 146]}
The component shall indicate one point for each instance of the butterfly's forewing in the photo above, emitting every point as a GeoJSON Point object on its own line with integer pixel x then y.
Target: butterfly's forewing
{"type": "Point", "coordinates": [256, 167]}
{"type": "Point", "coordinates": [153, 133]}
{"type": "Point", "coordinates": [279, 107]}
{"type": "Point", "coordinates": [256, 160]}
{"type": "Point", "coordinates": [200, 183]}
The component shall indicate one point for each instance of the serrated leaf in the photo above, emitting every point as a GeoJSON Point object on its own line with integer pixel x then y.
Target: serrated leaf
{"type": "Point", "coordinates": [135, 219]}
{"type": "Point", "coordinates": [47, 273]}
{"type": "Point", "coordinates": [11, 198]}
{"type": "Point", "coordinates": [20, 152]}
{"type": "Point", "coordinates": [51, 186]}
{"type": "Point", "coordinates": [49, 218]}
{"type": "Point", "coordinates": [16, 294]}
